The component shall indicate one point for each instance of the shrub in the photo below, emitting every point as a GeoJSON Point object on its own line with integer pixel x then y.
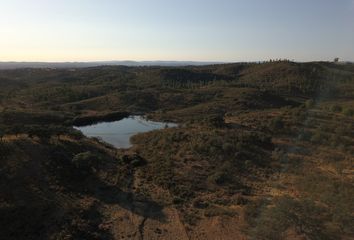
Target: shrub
{"type": "Point", "coordinates": [2, 134]}
{"type": "Point", "coordinates": [190, 218]}
{"type": "Point", "coordinates": [219, 177]}
{"type": "Point", "coordinates": [316, 138]}
{"type": "Point", "coordinates": [319, 137]}
{"type": "Point", "coordinates": [215, 121]}
{"type": "Point", "coordinates": [348, 112]}
{"type": "Point", "coordinates": [336, 108]}
{"type": "Point", "coordinates": [38, 131]}
{"type": "Point", "coordinates": [335, 140]}
{"type": "Point", "coordinates": [4, 149]}
{"type": "Point", "coordinates": [198, 203]}
{"type": "Point", "coordinates": [213, 211]}
{"type": "Point", "coordinates": [310, 103]}
{"type": "Point", "coordinates": [305, 135]}
{"type": "Point", "coordinates": [228, 148]}
{"type": "Point", "coordinates": [135, 160]}
{"type": "Point", "coordinates": [223, 175]}
{"type": "Point", "coordinates": [254, 209]}
{"type": "Point", "coordinates": [277, 124]}
{"type": "Point", "coordinates": [85, 161]}
{"type": "Point", "coordinates": [76, 134]}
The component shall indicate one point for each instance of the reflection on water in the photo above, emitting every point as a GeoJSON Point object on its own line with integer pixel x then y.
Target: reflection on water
{"type": "Point", "coordinates": [118, 133]}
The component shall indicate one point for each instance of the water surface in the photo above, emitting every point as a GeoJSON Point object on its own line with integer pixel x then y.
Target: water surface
{"type": "Point", "coordinates": [118, 133]}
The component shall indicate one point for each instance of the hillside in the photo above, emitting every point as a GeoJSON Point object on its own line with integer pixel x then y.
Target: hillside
{"type": "Point", "coordinates": [63, 65]}
{"type": "Point", "coordinates": [262, 151]}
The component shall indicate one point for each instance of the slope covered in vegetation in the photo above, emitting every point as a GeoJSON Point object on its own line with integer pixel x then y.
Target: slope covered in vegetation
{"type": "Point", "coordinates": [263, 151]}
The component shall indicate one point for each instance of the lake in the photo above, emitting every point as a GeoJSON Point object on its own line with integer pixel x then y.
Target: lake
{"type": "Point", "coordinates": [118, 133]}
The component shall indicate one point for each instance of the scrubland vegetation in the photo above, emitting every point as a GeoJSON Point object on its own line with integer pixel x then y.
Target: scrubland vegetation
{"type": "Point", "coordinates": [262, 151]}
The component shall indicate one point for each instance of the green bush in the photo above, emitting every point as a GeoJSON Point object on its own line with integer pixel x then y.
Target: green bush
{"type": "Point", "coordinates": [305, 135]}
{"type": "Point", "coordinates": [219, 177]}
{"type": "Point", "coordinates": [336, 108]}
{"type": "Point", "coordinates": [85, 161]}
{"type": "Point", "coordinates": [135, 160]}
{"type": "Point", "coordinates": [228, 148]}
{"type": "Point", "coordinates": [310, 103]}
{"type": "Point", "coordinates": [213, 211]}
{"type": "Point", "coordinates": [316, 138]}
{"type": "Point", "coordinates": [277, 124]}
{"type": "Point", "coordinates": [198, 203]}
{"type": "Point", "coordinates": [348, 112]}
{"type": "Point", "coordinates": [335, 140]}
{"type": "Point", "coordinates": [2, 134]}
{"type": "Point", "coordinates": [4, 149]}
{"type": "Point", "coordinates": [319, 137]}
{"type": "Point", "coordinates": [223, 175]}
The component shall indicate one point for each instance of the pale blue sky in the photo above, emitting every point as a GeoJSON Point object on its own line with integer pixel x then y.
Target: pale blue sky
{"type": "Point", "coordinates": [201, 30]}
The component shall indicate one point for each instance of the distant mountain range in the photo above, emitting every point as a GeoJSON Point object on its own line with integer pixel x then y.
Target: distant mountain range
{"type": "Point", "coordinates": [15, 65]}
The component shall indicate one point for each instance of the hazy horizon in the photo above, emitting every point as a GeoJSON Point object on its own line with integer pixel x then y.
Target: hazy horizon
{"type": "Point", "coordinates": [170, 61]}
{"type": "Point", "coordinates": [157, 30]}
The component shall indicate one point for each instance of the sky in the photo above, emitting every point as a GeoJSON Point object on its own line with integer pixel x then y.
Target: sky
{"type": "Point", "coordinates": [182, 30]}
